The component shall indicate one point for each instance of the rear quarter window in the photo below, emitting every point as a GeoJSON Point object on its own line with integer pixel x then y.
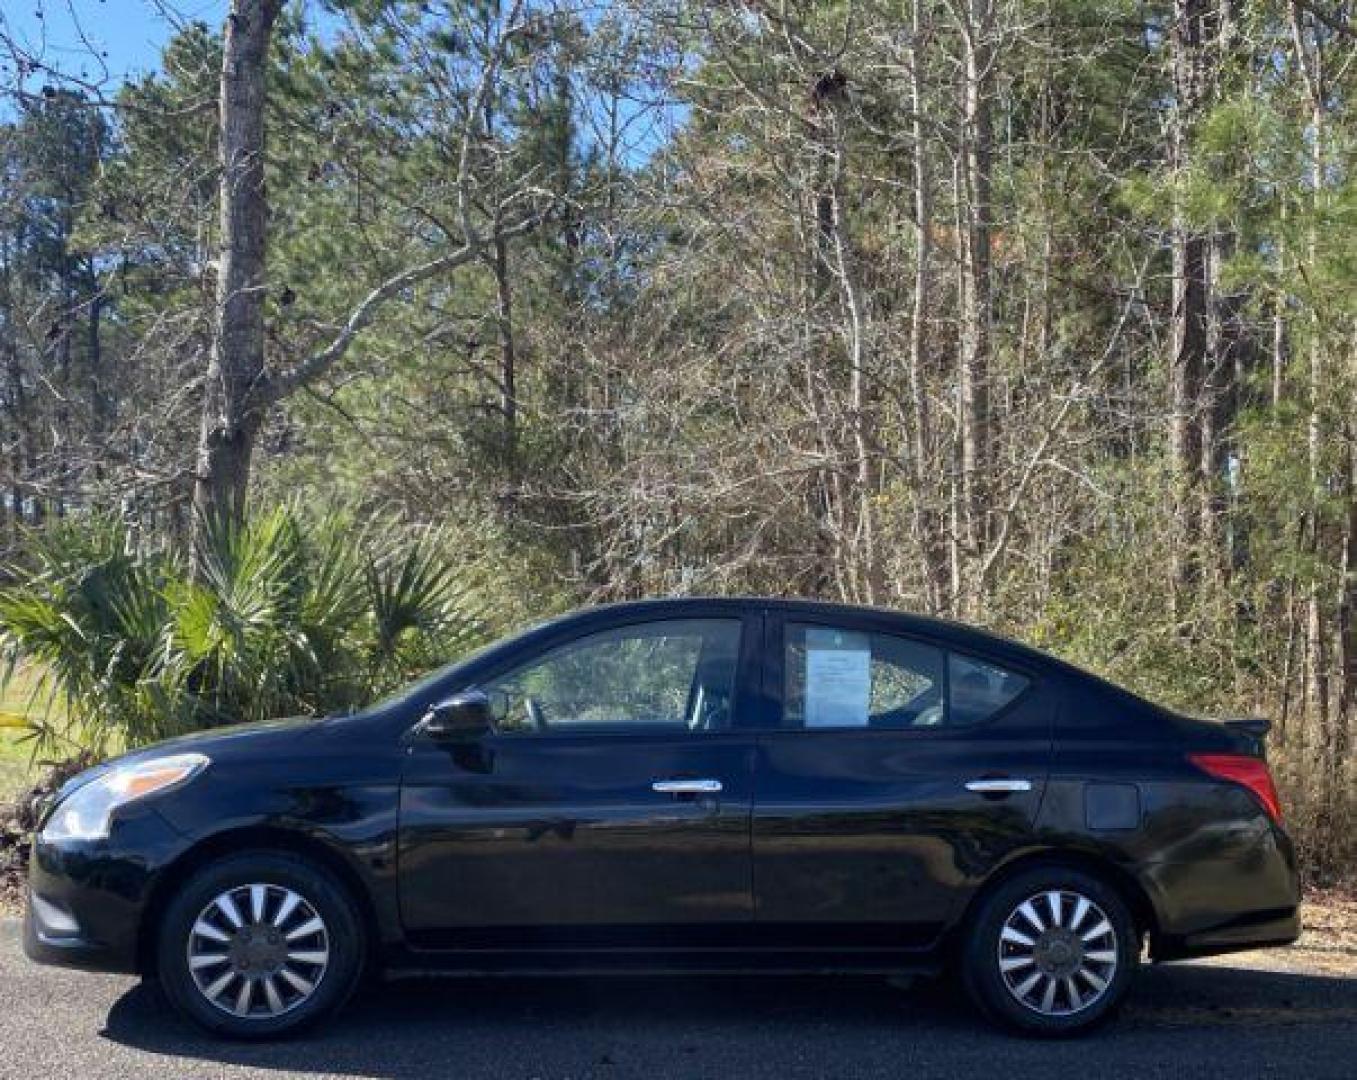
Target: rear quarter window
{"type": "Point", "coordinates": [978, 689]}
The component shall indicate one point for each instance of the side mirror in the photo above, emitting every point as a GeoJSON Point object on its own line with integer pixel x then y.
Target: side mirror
{"type": "Point", "coordinates": [467, 713]}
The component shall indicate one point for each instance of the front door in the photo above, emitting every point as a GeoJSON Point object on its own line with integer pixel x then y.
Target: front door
{"type": "Point", "coordinates": [902, 772]}
{"type": "Point", "coordinates": [609, 806]}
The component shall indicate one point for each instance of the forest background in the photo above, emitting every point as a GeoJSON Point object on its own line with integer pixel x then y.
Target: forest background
{"type": "Point", "coordinates": [357, 331]}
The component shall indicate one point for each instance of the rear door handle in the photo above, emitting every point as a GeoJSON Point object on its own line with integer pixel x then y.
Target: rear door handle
{"type": "Point", "coordinates": [998, 785]}
{"type": "Point", "coordinates": [686, 787]}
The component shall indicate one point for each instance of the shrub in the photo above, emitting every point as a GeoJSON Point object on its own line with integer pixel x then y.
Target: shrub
{"type": "Point", "coordinates": [287, 614]}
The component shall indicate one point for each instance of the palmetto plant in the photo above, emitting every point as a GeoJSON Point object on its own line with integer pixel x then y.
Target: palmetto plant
{"type": "Point", "coordinates": [88, 616]}
{"type": "Point", "coordinates": [288, 614]}
{"type": "Point", "coordinates": [418, 609]}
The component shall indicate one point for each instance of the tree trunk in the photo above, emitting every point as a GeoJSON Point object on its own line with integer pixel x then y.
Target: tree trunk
{"type": "Point", "coordinates": [1216, 408]}
{"type": "Point", "coordinates": [927, 527]}
{"type": "Point", "coordinates": [1191, 266]}
{"type": "Point", "coordinates": [504, 311]}
{"type": "Point", "coordinates": [867, 578]}
{"type": "Point", "coordinates": [99, 406]}
{"type": "Point", "coordinates": [21, 454]}
{"type": "Point", "coordinates": [976, 286]}
{"type": "Point", "coordinates": [1345, 639]}
{"type": "Point", "coordinates": [64, 440]}
{"type": "Point", "coordinates": [508, 356]}
{"type": "Point", "coordinates": [233, 398]}
{"type": "Point", "coordinates": [1309, 59]}
{"type": "Point", "coordinates": [1230, 351]}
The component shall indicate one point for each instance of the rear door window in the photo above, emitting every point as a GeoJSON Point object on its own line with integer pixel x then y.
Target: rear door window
{"type": "Point", "coordinates": [844, 678]}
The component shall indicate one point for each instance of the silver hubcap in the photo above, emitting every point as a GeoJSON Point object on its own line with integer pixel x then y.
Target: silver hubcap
{"type": "Point", "coordinates": [258, 951]}
{"type": "Point", "coordinates": [1057, 952]}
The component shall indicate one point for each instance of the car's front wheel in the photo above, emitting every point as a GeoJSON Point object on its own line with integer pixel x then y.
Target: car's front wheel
{"type": "Point", "coordinates": [1051, 952]}
{"type": "Point", "coordinates": [259, 944]}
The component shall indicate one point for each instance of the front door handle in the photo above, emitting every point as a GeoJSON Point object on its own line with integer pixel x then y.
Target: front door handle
{"type": "Point", "coordinates": [998, 785]}
{"type": "Point", "coordinates": [686, 787]}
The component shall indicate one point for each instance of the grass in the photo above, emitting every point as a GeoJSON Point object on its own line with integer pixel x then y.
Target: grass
{"type": "Point", "coordinates": [16, 767]}
{"type": "Point", "coordinates": [16, 770]}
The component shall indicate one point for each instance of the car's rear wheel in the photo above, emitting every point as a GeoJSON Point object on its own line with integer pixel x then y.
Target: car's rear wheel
{"type": "Point", "coordinates": [1051, 952]}
{"type": "Point", "coordinates": [259, 944]}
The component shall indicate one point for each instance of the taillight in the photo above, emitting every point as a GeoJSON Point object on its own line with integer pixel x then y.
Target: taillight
{"type": "Point", "coordinates": [1250, 772]}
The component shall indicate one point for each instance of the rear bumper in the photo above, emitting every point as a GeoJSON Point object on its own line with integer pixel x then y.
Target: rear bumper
{"type": "Point", "coordinates": [1257, 930]}
{"type": "Point", "coordinates": [1250, 900]}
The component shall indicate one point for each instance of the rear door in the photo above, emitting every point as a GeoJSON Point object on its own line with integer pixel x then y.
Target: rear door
{"type": "Point", "coordinates": [901, 772]}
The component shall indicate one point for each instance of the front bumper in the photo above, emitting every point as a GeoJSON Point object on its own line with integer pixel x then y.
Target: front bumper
{"type": "Point", "coordinates": [74, 950]}
{"type": "Point", "coordinates": [87, 898]}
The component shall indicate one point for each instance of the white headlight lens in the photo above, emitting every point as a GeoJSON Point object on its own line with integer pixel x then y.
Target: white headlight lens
{"type": "Point", "coordinates": [87, 814]}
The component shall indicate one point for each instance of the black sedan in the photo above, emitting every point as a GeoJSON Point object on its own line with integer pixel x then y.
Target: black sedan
{"type": "Point", "coordinates": [681, 786]}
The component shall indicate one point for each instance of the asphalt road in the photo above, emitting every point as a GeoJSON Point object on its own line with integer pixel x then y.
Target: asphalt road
{"type": "Point", "coordinates": [1226, 1022]}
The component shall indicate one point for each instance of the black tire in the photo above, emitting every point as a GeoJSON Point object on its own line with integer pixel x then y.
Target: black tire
{"type": "Point", "coordinates": [984, 950]}
{"type": "Point", "coordinates": [343, 940]}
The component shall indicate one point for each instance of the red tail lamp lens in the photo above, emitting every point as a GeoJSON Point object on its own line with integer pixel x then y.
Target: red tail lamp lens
{"type": "Point", "coordinates": [1249, 772]}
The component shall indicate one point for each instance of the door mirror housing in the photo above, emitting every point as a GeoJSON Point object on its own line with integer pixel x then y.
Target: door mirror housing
{"type": "Point", "coordinates": [467, 713]}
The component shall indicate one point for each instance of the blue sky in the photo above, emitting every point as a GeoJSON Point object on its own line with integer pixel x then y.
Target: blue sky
{"type": "Point", "coordinates": [62, 33]}
{"type": "Point", "coordinates": [100, 44]}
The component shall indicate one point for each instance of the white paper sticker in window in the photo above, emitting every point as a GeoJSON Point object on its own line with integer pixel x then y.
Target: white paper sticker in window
{"type": "Point", "coordinates": [838, 678]}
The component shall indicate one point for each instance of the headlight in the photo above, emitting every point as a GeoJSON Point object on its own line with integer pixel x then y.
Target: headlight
{"type": "Point", "coordinates": [87, 813]}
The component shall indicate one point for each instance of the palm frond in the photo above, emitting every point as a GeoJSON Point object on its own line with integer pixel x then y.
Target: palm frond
{"type": "Point", "coordinates": [287, 613]}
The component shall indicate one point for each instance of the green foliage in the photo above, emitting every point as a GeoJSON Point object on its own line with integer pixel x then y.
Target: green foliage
{"type": "Point", "coordinates": [290, 614]}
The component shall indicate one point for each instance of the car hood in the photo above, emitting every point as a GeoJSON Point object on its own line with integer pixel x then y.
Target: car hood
{"type": "Point", "coordinates": [231, 742]}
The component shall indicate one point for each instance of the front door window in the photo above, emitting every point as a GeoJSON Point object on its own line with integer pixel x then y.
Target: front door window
{"type": "Point", "coordinates": [677, 675]}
